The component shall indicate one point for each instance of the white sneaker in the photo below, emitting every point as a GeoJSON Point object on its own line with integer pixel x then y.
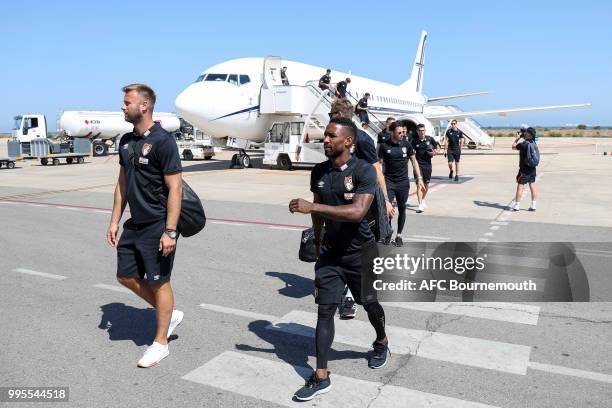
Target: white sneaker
{"type": "Point", "coordinates": [516, 207]}
{"type": "Point", "coordinates": [155, 353]}
{"type": "Point", "coordinates": [177, 318]}
{"type": "Point", "coordinates": [424, 204]}
{"type": "Point", "coordinates": [421, 208]}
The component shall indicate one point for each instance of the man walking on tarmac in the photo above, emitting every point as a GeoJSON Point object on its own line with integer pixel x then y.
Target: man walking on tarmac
{"type": "Point", "coordinates": [343, 189]}
{"type": "Point", "coordinates": [425, 148]}
{"type": "Point", "coordinates": [452, 148]}
{"type": "Point", "coordinates": [394, 154]}
{"type": "Point", "coordinates": [364, 149]}
{"type": "Point", "coordinates": [527, 169]}
{"type": "Point", "coordinates": [150, 165]}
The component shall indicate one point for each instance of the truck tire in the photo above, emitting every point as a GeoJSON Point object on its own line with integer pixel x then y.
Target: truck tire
{"type": "Point", "coordinates": [283, 162]}
{"type": "Point", "coordinates": [10, 165]}
{"type": "Point", "coordinates": [81, 160]}
{"type": "Point", "coordinates": [471, 145]}
{"type": "Point", "coordinates": [187, 154]}
{"type": "Point", "coordinates": [44, 162]}
{"type": "Point", "coordinates": [207, 157]}
{"type": "Point", "coordinates": [56, 162]}
{"type": "Point", "coordinates": [245, 161]}
{"type": "Point", "coordinates": [100, 149]}
{"type": "Point", "coordinates": [69, 160]}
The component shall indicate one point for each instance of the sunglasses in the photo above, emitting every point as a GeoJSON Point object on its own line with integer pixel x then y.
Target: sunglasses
{"type": "Point", "coordinates": [331, 114]}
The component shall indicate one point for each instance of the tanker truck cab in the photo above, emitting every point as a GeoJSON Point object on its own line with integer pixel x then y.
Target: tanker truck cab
{"type": "Point", "coordinates": [288, 144]}
{"type": "Point", "coordinates": [29, 127]}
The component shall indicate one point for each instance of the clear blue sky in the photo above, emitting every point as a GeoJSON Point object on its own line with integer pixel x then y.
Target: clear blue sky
{"type": "Point", "coordinates": [68, 55]}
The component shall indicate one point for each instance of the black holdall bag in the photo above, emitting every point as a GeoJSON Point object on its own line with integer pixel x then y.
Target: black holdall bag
{"type": "Point", "coordinates": [377, 218]}
{"type": "Point", "coordinates": [192, 218]}
{"type": "Point", "coordinates": [308, 249]}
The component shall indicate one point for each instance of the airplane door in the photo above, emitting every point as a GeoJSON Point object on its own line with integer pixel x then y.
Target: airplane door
{"type": "Point", "coordinates": [272, 68]}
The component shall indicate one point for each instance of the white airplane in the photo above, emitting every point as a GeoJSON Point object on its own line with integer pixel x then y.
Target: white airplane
{"type": "Point", "coordinates": [229, 100]}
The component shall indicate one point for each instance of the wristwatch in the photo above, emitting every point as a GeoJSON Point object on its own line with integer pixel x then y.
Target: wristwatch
{"type": "Point", "coordinates": [171, 233]}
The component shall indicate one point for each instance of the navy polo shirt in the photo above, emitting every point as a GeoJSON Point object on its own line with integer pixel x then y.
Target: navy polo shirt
{"type": "Point", "coordinates": [420, 149]}
{"type": "Point", "coordinates": [395, 159]}
{"type": "Point", "coordinates": [452, 139]}
{"type": "Point", "coordinates": [383, 136]}
{"type": "Point", "coordinates": [151, 156]}
{"type": "Point", "coordinates": [337, 186]}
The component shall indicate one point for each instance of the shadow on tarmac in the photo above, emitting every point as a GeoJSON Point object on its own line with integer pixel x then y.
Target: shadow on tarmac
{"type": "Point", "coordinates": [292, 349]}
{"type": "Point", "coordinates": [209, 165]}
{"type": "Point", "coordinates": [295, 286]}
{"type": "Point", "coordinates": [123, 322]}
{"type": "Point", "coordinates": [492, 205]}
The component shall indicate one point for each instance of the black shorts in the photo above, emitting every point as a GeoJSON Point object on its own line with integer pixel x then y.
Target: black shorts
{"type": "Point", "coordinates": [453, 155]}
{"type": "Point", "coordinates": [333, 272]}
{"type": "Point", "coordinates": [425, 172]}
{"type": "Point", "coordinates": [526, 177]}
{"type": "Point", "coordinates": [363, 116]}
{"type": "Point", "coordinates": [138, 253]}
{"type": "Point", "coordinates": [399, 191]}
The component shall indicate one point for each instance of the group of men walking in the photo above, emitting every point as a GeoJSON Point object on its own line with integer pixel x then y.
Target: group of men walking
{"type": "Point", "coordinates": [343, 190]}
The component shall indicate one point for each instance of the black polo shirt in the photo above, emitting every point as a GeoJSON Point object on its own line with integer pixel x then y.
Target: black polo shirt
{"type": "Point", "coordinates": [341, 87]}
{"type": "Point", "coordinates": [395, 158]}
{"type": "Point", "coordinates": [420, 149]}
{"type": "Point", "coordinates": [363, 103]}
{"type": "Point", "coordinates": [522, 148]}
{"type": "Point", "coordinates": [326, 79]}
{"type": "Point", "coordinates": [150, 157]}
{"type": "Point", "coordinates": [452, 139]}
{"type": "Point", "coordinates": [383, 136]}
{"type": "Point", "coordinates": [364, 147]}
{"type": "Point", "coordinates": [337, 186]}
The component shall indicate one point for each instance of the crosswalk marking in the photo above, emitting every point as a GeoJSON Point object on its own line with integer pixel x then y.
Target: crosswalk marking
{"type": "Point", "coordinates": [238, 312]}
{"type": "Point", "coordinates": [590, 375]}
{"type": "Point", "coordinates": [494, 355]}
{"type": "Point", "coordinates": [275, 382]}
{"type": "Point", "coordinates": [41, 274]}
{"type": "Point", "coordinates": [506, 312]}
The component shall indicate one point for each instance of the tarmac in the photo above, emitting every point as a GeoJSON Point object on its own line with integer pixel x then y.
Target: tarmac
{"type": "Point", "coordinates": [249, 312]}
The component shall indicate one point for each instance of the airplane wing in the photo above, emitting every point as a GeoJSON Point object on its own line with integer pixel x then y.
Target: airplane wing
{"type": "Point", "coordinates": [445, 98]}
{"type": "Point", "coordinates": [501, 112]}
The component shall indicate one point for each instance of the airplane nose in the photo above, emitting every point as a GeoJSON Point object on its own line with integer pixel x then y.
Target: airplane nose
{"type": "Point", "coordinates": [186, 103]}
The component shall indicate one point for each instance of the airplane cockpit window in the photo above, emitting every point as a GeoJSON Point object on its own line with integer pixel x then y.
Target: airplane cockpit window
{"type": "Point", "coordinates": [216, 77]}
{"type": "Point", "coordinates": [201, 78]}
{"type": "Point", "coordinates": [233, 79]}
{"type": "Point", "coordinates": [244, 79]}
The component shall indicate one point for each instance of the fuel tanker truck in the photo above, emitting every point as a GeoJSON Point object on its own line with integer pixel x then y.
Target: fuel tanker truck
{"type": "Point", "coordinates": [103, 129]}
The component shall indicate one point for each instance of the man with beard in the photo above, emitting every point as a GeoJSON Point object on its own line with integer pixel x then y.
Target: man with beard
{"type": "Point", "coordinates": [343, 189]}
{"type": "Point", "coordinates": [150, 165]}
{"type": "Point", "coordinates": [425, 148]}
{"type": "Point", "coordinates": [394, 155]}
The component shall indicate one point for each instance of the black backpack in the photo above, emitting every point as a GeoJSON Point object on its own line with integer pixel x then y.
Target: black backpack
{"type": "Point", "coordinates": [532, 158]}
{"type": "Point", "coordinates": [192, 218]}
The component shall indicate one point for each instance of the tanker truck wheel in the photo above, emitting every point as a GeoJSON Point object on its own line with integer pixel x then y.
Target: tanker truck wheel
{"type": "Point", "coordinates": [187, 155]}
{"type": "Point", "coordinates": [10, 165]}
{"type": "Point", "coordinates": [69, 160]}
{"type": "Point", "coordinates": [56, 162]}
{"type": "Point", "coordinates": [81, 160]}
{"type": "Point", "coordinates": [44, 162]}
{"type": "Point", "coordinates": [100, 149]}
{"type": "Point", "coordinates": [283, 162]}
{"type": "Point", "coordinates": [245, 161]}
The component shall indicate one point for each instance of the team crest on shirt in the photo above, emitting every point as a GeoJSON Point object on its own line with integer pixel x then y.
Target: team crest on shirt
{"type": "Point", "coordinates": [146, 148]}
{"type": "Point", "coordinates": [404, 149]}
{"type": "Point", "coordinates": [348, 183]}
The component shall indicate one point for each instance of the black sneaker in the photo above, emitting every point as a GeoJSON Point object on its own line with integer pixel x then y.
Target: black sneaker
{"type": "Point", "coordinates": [312, 388]}
{"type": "Point", "coordinates": [456, 177]}
{"type": "Point", "coordinates": [348, 309]}
{"type": "Point", "coordinates": [450, 175]}
{"type": "Point", "coordinates": [378, 355]}
{"type": "Point", "coordinates": [398, 241]}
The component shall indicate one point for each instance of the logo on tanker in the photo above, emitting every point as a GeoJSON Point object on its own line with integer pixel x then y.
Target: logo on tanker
{"type": "Point", "coordinates": [92, 122]}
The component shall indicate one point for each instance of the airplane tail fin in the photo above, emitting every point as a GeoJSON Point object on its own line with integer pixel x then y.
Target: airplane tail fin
{"type": "Point", "coordinates": [415, 83]}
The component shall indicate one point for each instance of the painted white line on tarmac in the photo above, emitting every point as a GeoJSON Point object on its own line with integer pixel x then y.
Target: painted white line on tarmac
{"type": "Point", "coordinates": [238, 312]}
{"type": "Point", "coordinates": [112, 287]}
{"type": "Point", "coordinates": [421, 239]}
{"type": "Point", "coordinates": [102, 211]}
{"type": "Point", "coordinates": [36, 205]}
{"type": "Point", "coordinates": [499, 223]}
{"type": "Point", "coordinates": [572, 372]}
{"type": "Point", "coordinates": [287, 228]}
{"type": "Point", "coordinates": [500, 311]}
{"type": "Point", "coordinates": [468, 351]}
{"type": "Point", "coordinates": [275, 382]}
{"type": "Point", "coordinates": [70, 208]}
{"type": "Point", "coordinates": [9, 202]}
{"type": "Point", "coordinates": [237, 224]}
{"type": "Point", "coordinates": [483, 240]}
{"type": "Point", "coordinates": [431, 237]}
{"type": "Point", "coordinates": [494, 227]}
{"type": "Point", "coordinates": [488, 234]}
{"type": "Point", "coordinates": [42, 274]}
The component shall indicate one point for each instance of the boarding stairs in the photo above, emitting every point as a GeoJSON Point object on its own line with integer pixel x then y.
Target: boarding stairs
{"type": "Point", "coordinates": [476, 136]}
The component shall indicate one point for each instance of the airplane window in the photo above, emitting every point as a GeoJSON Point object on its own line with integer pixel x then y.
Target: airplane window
{"type": "Point", "coordinates": [233, 79]}
{"type": "Point", "coordinates": [216, 77]}
{"type": "Point", "coordinates": [244, 79]}
{"type": "Point", "coordinates": [201, 78]}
